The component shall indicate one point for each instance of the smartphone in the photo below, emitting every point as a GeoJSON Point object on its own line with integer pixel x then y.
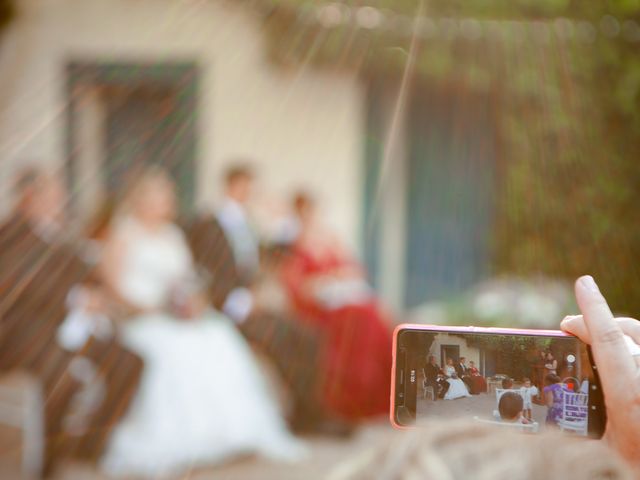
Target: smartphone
{"type": "Point", "coordinates": [528, 380]}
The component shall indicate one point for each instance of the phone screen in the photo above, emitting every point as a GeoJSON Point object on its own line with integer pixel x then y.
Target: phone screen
{"type": "Point", "coordinates": [525, 382]}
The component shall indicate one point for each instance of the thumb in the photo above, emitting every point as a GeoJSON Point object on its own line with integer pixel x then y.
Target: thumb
{"type": "Point", "coordinates": [607, 338]}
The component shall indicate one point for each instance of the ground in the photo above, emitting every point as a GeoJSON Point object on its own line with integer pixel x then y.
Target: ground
{"type": "Point", "coordinates": [328, 458]}
{"type": "Point", "coordinates": [481, 405]}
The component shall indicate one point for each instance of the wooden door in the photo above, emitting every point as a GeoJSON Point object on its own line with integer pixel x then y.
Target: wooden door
{"type": "Point", "coordinates": [149, 118]}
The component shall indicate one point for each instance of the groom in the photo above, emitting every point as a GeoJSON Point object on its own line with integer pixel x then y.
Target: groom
{"type": "Point", "coordinates": [434, 378]}
{"type": "Point", "coordinates": [463, 372]}
{"type": "Point", "coordinates": [226, 247]}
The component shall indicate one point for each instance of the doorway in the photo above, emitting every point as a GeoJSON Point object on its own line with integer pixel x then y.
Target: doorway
{"type": "Point", "coordinates": [125, 117]}
{"type": "Point", "coordinates": [449, 351]}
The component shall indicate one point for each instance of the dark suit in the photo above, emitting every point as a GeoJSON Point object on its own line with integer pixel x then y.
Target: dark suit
{"type": "Point", "coordinates": [293, 348]}
{"type": "Point", "coordinates": [35, 279]}
{"type": "Point", "coordinates": [433, 378]}
{"type": "Point", "coordinates": [461, 370]}
{"type": "Point", "coordinates": [463, 374]}
{"type": "Point", "coordinates": [212, 252]}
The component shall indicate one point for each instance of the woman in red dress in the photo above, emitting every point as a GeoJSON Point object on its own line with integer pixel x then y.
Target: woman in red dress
{"type": "Point", "coordinates": [328, 288]}
{"type": "Point", "coordinates": [478, 383]}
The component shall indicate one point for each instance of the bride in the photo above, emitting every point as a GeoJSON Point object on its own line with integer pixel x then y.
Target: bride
{"type": "Point", "coordinates": [457, 388]}
{"type": "Point", "coordinates": [201, 398]}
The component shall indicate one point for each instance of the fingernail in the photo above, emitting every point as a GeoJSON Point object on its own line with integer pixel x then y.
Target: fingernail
{"type": "Point", "coordinates": [589, 283]}
{"type": "Point", "coordinates": [568, 319]}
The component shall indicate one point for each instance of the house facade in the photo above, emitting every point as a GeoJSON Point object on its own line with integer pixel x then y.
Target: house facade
{"type": "Point", "coordinates": [91, 87]}
{"type": "Point", "coordinates": [81, 77]}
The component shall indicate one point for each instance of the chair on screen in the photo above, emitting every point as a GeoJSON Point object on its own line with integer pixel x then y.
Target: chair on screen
{"type": "Point", "coordinates": [502, 391]}
{"type": "Point", "coordinates": [495, 382]}
{"type": "Point", "coordinates": [575, 412]}
{"type": "Point", "coordinates": [527, 428]}
{"type": "Point", "coordinates": [584, 387]}
{"type": "Point", "coordinates": [427, 389]}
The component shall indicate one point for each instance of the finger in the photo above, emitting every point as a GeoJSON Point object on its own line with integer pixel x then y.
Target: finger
{"type": "Point", "coordinates": [607, 339]}
{"type": "Point", "coordinates": [631, 327]}
{"type": "Point", "coordinates": [575, 325]}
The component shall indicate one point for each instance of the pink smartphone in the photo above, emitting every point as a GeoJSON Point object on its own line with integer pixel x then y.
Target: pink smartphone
{"type": "Point", "coordinates": [528, 380]}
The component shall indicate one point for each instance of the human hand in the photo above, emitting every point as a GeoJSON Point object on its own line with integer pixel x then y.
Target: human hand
{"type": "Point", "coordinates": [619, 370]}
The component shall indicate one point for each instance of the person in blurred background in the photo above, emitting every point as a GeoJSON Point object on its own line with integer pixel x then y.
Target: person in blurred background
{"type": "Point", "coordinates": [202, 397]}
{"type": "Point", "coordinates": [328, 288]}
{"type": "Point", "coordinates": [47, 329]}
{"type": "Point", "coordinates": [226, 247]}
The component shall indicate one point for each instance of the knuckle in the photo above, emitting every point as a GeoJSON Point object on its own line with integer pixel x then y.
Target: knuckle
{"type": "Point", "coordinates": [610, 336]}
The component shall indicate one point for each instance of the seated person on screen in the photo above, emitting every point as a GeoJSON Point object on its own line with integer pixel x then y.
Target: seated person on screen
{"type": "Point", "coordinates": [477, 381]}
{"type": "Point", "coordinates": [463, 372]}
{"type": "Point", "coordinates": [457, 388]}
{"type": "Point", "coordinates": [528, 392]}
{"type": "Point", "coordinates": [510, 407]}
{"type": "Point", "coordinates": [435, 378]}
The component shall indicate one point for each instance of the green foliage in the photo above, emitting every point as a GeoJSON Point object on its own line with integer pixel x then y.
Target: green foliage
{"type": "Point", "coordinates": [514, 355]}
{"type": "Point", "coordinates": [567, 111]}
{"type": "Point", "coordinates": [508, 344]}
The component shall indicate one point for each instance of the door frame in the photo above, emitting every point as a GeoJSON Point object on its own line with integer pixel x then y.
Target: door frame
{"type": "Point", "coordinates": [443, 358]}
{"type": "Point", "coordinates": [84, 76]}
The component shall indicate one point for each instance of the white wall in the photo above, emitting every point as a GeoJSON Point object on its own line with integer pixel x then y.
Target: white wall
{"type": "Point", "coordinates": [391, 194]}
{"type": "Point", "coordinates": [470, 353]}
{"type": "Point", "coordinates": [302, 127]}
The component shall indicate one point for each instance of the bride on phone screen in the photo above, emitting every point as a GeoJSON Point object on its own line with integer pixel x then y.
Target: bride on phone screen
{"type": "Point", "coordinates": [457, 388]}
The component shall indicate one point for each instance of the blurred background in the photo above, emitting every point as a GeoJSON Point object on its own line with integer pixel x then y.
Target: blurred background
{"type": "Point", "coordinates": [475, 157]}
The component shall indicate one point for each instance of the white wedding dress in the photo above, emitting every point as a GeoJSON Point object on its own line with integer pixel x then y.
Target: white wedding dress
{"type": "Point", "coordinates": [202, 398]}
{"type": "Point", "coordinates": [457, 388]}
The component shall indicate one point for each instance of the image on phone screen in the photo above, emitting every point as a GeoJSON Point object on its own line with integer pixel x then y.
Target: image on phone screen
{"type": "Point", "coordinates": [526, 382]}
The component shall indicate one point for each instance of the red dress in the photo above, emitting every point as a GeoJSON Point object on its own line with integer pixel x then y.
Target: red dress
{"type": "Point", "coordinates": [478, 383]}
{"type": "Point", "coordinates": [357, 356]}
